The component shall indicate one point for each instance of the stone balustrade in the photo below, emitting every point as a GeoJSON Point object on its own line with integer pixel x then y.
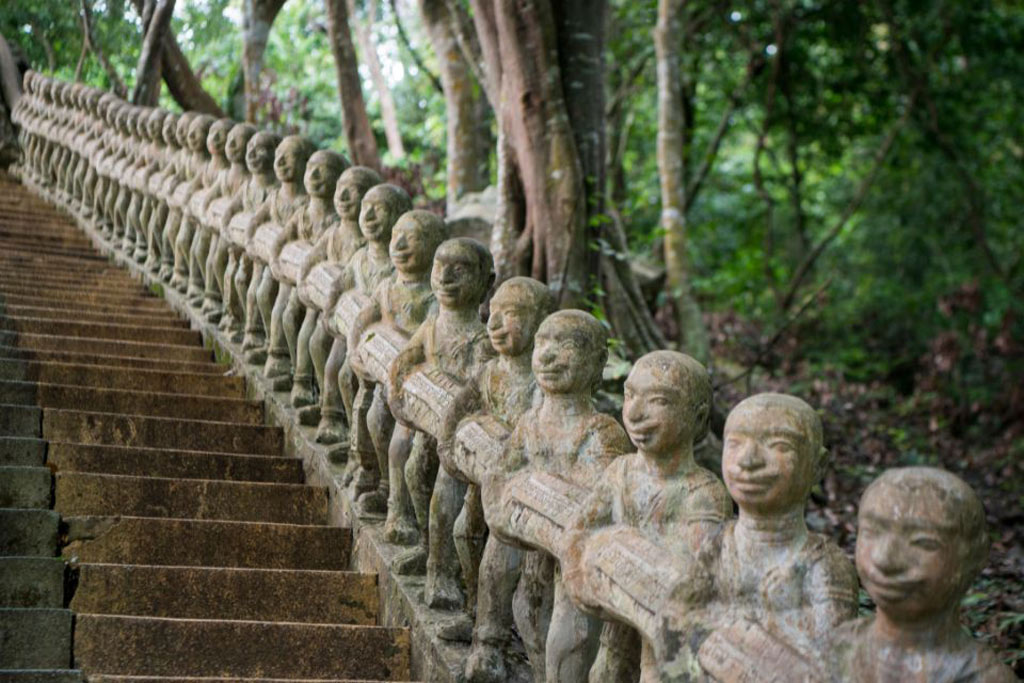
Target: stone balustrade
{"type": "Point", "coordinates": [602, 545]}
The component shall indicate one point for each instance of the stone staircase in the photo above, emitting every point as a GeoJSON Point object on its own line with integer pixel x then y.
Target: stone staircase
{"type": "Point", "coordinates": [194, 550]}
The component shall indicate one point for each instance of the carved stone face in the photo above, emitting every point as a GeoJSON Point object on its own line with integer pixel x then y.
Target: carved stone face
{"type": "Point", "coordinates": [238, 138]}
{"type": "Point", "coordinates": [352, 186]}
{"type": "Point", "coordinates": [322, 171]}
{"type": "Point", "coordinates": [666, 402]}
{"type": "Point", "coordinates": [569, 353]}
{"type": "Point", "coordinates": [769, 458]}
{"type": "Point", "coordinates": [289, 161]}
{"type": "Point", "coordinates": [411, 249]}
{"type": "Point", "coordinates": [458, 278]}
{"type": "Point", "coordinates": [259, 153]}
{"type": "Point", "coordinates": [378, 212]}
{"type": "Point", "coordinates": [516, 311]}
{"type": "Point", "coordinates": [169, 130]}
{"type": "Point", "coordinates": [217, 138]}
{"type": "Point", "coordinates": [198, 132]}
{"type": "Point", "coordinates": [154, 124]}
{"type": "Point", "coordinates": [914, 542]}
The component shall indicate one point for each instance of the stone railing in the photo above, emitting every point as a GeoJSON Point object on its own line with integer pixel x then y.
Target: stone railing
{"type": "Point", "coordinates": [605, 551]}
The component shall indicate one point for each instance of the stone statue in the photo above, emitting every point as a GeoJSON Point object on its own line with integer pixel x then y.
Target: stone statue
{"type": "Point", "coordinates": [445, 353]}
{"type": "Point", "coordinates": [246, 213]}
{"type": "Point", "coordinates": [921, 542]}
{"type": "Point", "coordinates": [230, 184]}
{"type": "Point", "coordinates": [192, 154]}
{"type": "Point", "coordinates": [193, 243]}
{"type": "Point", "coordinates": [303, 232]}
{"type": "Point", "coordinates": [290, 166]}
{"type": "Point", "coordinates": [159, 184]}
{"type": "Point", "coordinates": [759, 598]}
{"type": "Point", "coordinates": [345, 257]}
{"type": "Point", "coordinates": [142, 203]}
{"type": "Point", "coordinates": [376, 335]}
{"type": "Point", "coordinates": [473, 439]}
{"type": "Point", "coordinates": [660, 489]}
{"type": "Point", "coordinates": [554, 456]}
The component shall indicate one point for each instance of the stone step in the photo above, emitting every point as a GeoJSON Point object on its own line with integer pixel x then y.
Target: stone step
{"type": "Point", "coordinates": [32, 582]}
{"type": "Point", "coordinates": [215, 679]}
{"type": "Point", "coordinates": [157, 432]}
{"type": "Point", "coordinates": [201, 543]}
{"type": "Point", "coordinates": [28, 532]}
{"type": "Point", "coordinates": [191, 647]}
{"type": "Point", "coordinates": [91, 280]}
{"type": "Point", "coordinates": [35, 638]}
{"type": "Point", "coordinates": [84, 493]}
{"type": "Point", "coordinates": [41, 675]}
{"type": "Point", "coordinates": [72, 314]}
{"type": "Point", "coordinates": [123, 378]}
{"type": "Point", "coordinates": [109, 347]}
{"type": "Point", "coordinates": [193, 407]}
{"type": "Point", "coordinates": [78, 296]}
{"type": "Point", "coordinates": [147, 305]}
{"type": "Point", "coordinates": [314, 597]}
{"type": "Point", "coordinates": [69, 328]}
{"type": "Point", "coordinates": [25, 487]}
{"type": "Point", "coordinates": [209, 367]}
{"type": "Point", "coordinates": [25, 451]}
{"type": "Point", "coordinates": [29, 249]}
{"type": "Point", "coordinates": [21, 421]}
{"type": "Point", "coordinates": [158, 462]}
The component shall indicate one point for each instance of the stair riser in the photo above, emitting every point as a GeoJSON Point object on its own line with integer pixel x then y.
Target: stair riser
{"type": "Point", "coordinates": [125, 379]}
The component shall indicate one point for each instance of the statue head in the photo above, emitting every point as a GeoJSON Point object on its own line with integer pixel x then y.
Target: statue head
{"type": "Point", "coordinates": [291, 157]}
{"type": "Point", "coordinates": [666, 403]}
{"type": "Point", "coordinates": [238, 138]}
{"type": "Point", "coordinates": [199, 131]}
{"type": "Point", "coordinates": [217, 137]}
{"type": "Point", "coordinates": [169, 129]}
{"type": "Point", "coordinates": [772, 454]}
{"type": "Point", "coordinates": [921, 542]}
{"type": "Point", "coordinates": [569, 353]}
{"type": "Point", "coordinates": [259, 152]}
{"type": "Point", "coordinates": [322, 171]}
{"type": "Point", "coordinates": [415, 237]}
{"type": "Point", "coordinates": [517, 309]}
{"type": "Point", "coordinates": [155, 124]}
{"type": "Point", "coordinates": [462, 273]}
{"type": "Point", "coordinates": [353, 184]}
{"type": "Point", "coordinates": [379, 210]}
{"type": "Point", "coordinates": [184, 124]}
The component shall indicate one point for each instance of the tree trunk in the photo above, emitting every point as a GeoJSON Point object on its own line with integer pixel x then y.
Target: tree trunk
{"type": "Point", "coordinates": [362, 146]}
{"type": "Point", "coordinates": [147, 73]}
{"type": "Point", "coordinates": [388, 113]}
{"type": "Point", "coordinates": [257, 18]}
{"type": "Point", "coordinates": [115, 81]}
{"type": "Point", "coordinates": [182, 83]}
{"type": "Point", "coordinates": [468, 128]}
{"type": "Point", "coordinates": [671, 145]}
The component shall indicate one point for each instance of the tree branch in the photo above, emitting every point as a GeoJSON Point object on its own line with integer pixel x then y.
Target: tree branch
{"type": "Point", "coordinates": [115, 80]}
{"type": "Point", "coordinates": [147, 73]}
{"type": "Point", "coordinates": [412, 51]}
{"type": "Point", "coordinates": [40, 34]}
{"type": "Point", "coordinates": [805, 266]}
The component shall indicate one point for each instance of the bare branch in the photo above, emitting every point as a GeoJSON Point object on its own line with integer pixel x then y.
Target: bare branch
{"type": "Point", "coordinates": [412, 51]}
{"type": "Point", "coordinates": [119, 88]}
{"type": "Point", "coordinates": [862, 190]}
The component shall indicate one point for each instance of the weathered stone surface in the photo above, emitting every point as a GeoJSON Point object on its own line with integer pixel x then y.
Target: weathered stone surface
{"type": "Point", "coordinates": [157, 462]}
{"type": "Point", "coordinates": [184, 647]}
{"type": "Point", "coordinates": [156, 432]}
{"type": "Point", "coordinates": [28, 532]}
{"type": "Point", "coordinates": [110, 347]}
{"type": "Point", "coordinates": [69, 357]}
{"type": "Point", "coordinates": [53, 313]}
{"type": "Point", "coordinates": [175, 336]}
{"type": "Point", "coordinates": [132, 402]}
{"type": "Point", "coordinates": [32, 582]}
{"type": "Point", "coordinates": [26, 451]}
{"type": "Point", "coordinates": [40, 676]}
{"type": "Point", "coordinates": [191, 543]}
{"type": "Point", "coordinates": [125, 378]}
{"type": "Point", "coordinates": [24, 487]}
{"type": "Point", "coordinates": [316, 597]}
{"type": "Point", "coordinates": [142, 306]}
{"type": "Point", "coordinates": [80, 493]}
{"type": "Point", "coordinates": [20, 420]}
{"type": "Point", "coordinates": [35, 638]}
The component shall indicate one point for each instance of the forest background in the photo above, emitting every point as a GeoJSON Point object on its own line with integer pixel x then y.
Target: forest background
{"type": "Point", "coordinates": [816, 197]}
